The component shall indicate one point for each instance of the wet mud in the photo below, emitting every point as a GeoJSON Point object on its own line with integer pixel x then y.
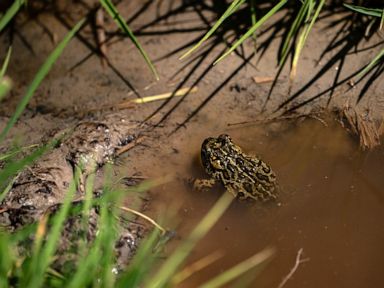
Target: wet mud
{"type": "Point", "coordinates": [86, 148]}
{"type": "Point", "coordinates": [39, 189]}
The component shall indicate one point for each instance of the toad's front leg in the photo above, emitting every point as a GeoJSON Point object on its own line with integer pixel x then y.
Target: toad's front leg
{"type": "Point", "coordinates": [203, 184]}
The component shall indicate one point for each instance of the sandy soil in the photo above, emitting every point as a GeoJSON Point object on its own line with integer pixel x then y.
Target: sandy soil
{"type": "Point", "coordinates": [79, 82]}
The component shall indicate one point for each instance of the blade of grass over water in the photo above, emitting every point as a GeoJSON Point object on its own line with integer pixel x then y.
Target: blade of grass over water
{"type": "Point", "coordinates": [236, 271]}
{"type": "Point", "coordinates": [120, 22]}
{"type": "Point", "coordinates": [252, 30]}
{"type": "Point", "coordinates": [40, 75]}
{"type": "Point", "coordinates": [148, 184]}
{"type": "Point", "coordinates": [230, 10]}
{"type": "Point", "coordinates": [197, 266]}
{"type": "Point", "coordinates": [6, 62]}
{"type": "Point", "coordinates": [11, 12]}
{"type": "Point", "coordinates": [169, 267]}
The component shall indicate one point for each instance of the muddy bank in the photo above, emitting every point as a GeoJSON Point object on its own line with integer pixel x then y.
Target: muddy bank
{"type": "Point", "coordinates": [69, 158]}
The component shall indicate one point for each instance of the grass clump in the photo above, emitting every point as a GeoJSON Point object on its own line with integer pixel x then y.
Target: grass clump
{"type": "Point", "coordinates": [297, 19]}
{"type": "Point", "coordinates": [95, 265]}
{"type": "Point", "coordinates": [376, 13]}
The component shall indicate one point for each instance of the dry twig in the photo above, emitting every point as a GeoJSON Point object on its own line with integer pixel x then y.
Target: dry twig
{"type": "Point", "coordinates": [130, 145]}
{"type": "Point", "coordinates": [150, 220]}
{"type": "Point", "coordinates": [177, 93]}
{"type": "Point", "coordinates": [298, 261]}
{"type": "Point", "coordinates": [262, 80]}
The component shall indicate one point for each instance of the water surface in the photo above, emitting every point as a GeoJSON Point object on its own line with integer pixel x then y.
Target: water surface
{"type": "Point", "coordinates": [331, 206]}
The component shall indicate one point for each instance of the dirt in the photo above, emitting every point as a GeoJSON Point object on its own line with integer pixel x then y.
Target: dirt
{"type": "Point", "coordinates": [85, 148]}
{"type": "Point", "coordinates": [330, 189]}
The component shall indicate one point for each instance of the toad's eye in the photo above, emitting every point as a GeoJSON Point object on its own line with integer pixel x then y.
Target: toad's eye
{"type": "Point", "coordinates": [217, 164]}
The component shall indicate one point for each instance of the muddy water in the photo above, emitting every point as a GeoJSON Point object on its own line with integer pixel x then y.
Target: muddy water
{"type": "Point", "coordinates": [331, 206]}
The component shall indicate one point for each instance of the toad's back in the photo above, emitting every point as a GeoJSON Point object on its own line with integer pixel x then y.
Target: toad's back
{"type": "Point", "coordinates": [242, 175]}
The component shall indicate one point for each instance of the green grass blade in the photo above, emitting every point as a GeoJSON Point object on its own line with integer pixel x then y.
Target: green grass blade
{"type": "Point", "coordinates": [252, 7]}
{"type": "Point", "coordinates": [311, 6]}
{"type": "Point", "coordinates": [11, 12]}
{"type": "Point", "coordinates": [42, 259]}
{"type": "Point", "coordinates": [230, 10]}
{"type": "Point", "coordinates": [15, 152]}
{"type": "Point", "coordinates": [14, 167]}
{"type": "Point", "coordinates": [303, 38]}
{"type": "Point", "coordinates": [5, 82]}
{"type": "Point", "coordinates": [376, 12]}
{"type": "Point", "coordinates": [11, 169]}
{"type": "Point", "coordinates": [6, 62]}
{"type": "Point", "coordinates": [108, 236]}
{"type": "Point", "coordinates": [7, 259]}
{"type": "Point", "coordinates": [169, 267]}
{"type": "Point", "coordinates": [5, 86]}
{"type": "Point", "coordinates": [252, 30]}
{"type": "Point", "coordinates": [88, 265]}
{"type": "Point", "coordinates": [89, 184]}
{"type": "Point", "coordinates": [239, 269]}
{"type": "Point", "coordinates": [98, 259]}
{"type": "Point", "coordinates": [292, 31]}
{"type": "Point", "coordinates": [7, 189]}
{"type": "Point", "coordinates": [371, 64]}
{"type": "Point", "coordinates": [43, 71]}
{"type": "Point", "coordinates": [114, 13]}
{"type": "Point", "coordinates": [141, 264]}
{"type": "Point", "coordinates": [296, 56]}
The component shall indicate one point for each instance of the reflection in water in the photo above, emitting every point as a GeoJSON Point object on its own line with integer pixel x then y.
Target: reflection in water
{"type": "Point", "coordinates": [331, 206]}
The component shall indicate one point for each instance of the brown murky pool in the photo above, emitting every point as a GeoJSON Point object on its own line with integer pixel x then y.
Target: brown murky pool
{"type": "Point", "coordinates": [332, 206]}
